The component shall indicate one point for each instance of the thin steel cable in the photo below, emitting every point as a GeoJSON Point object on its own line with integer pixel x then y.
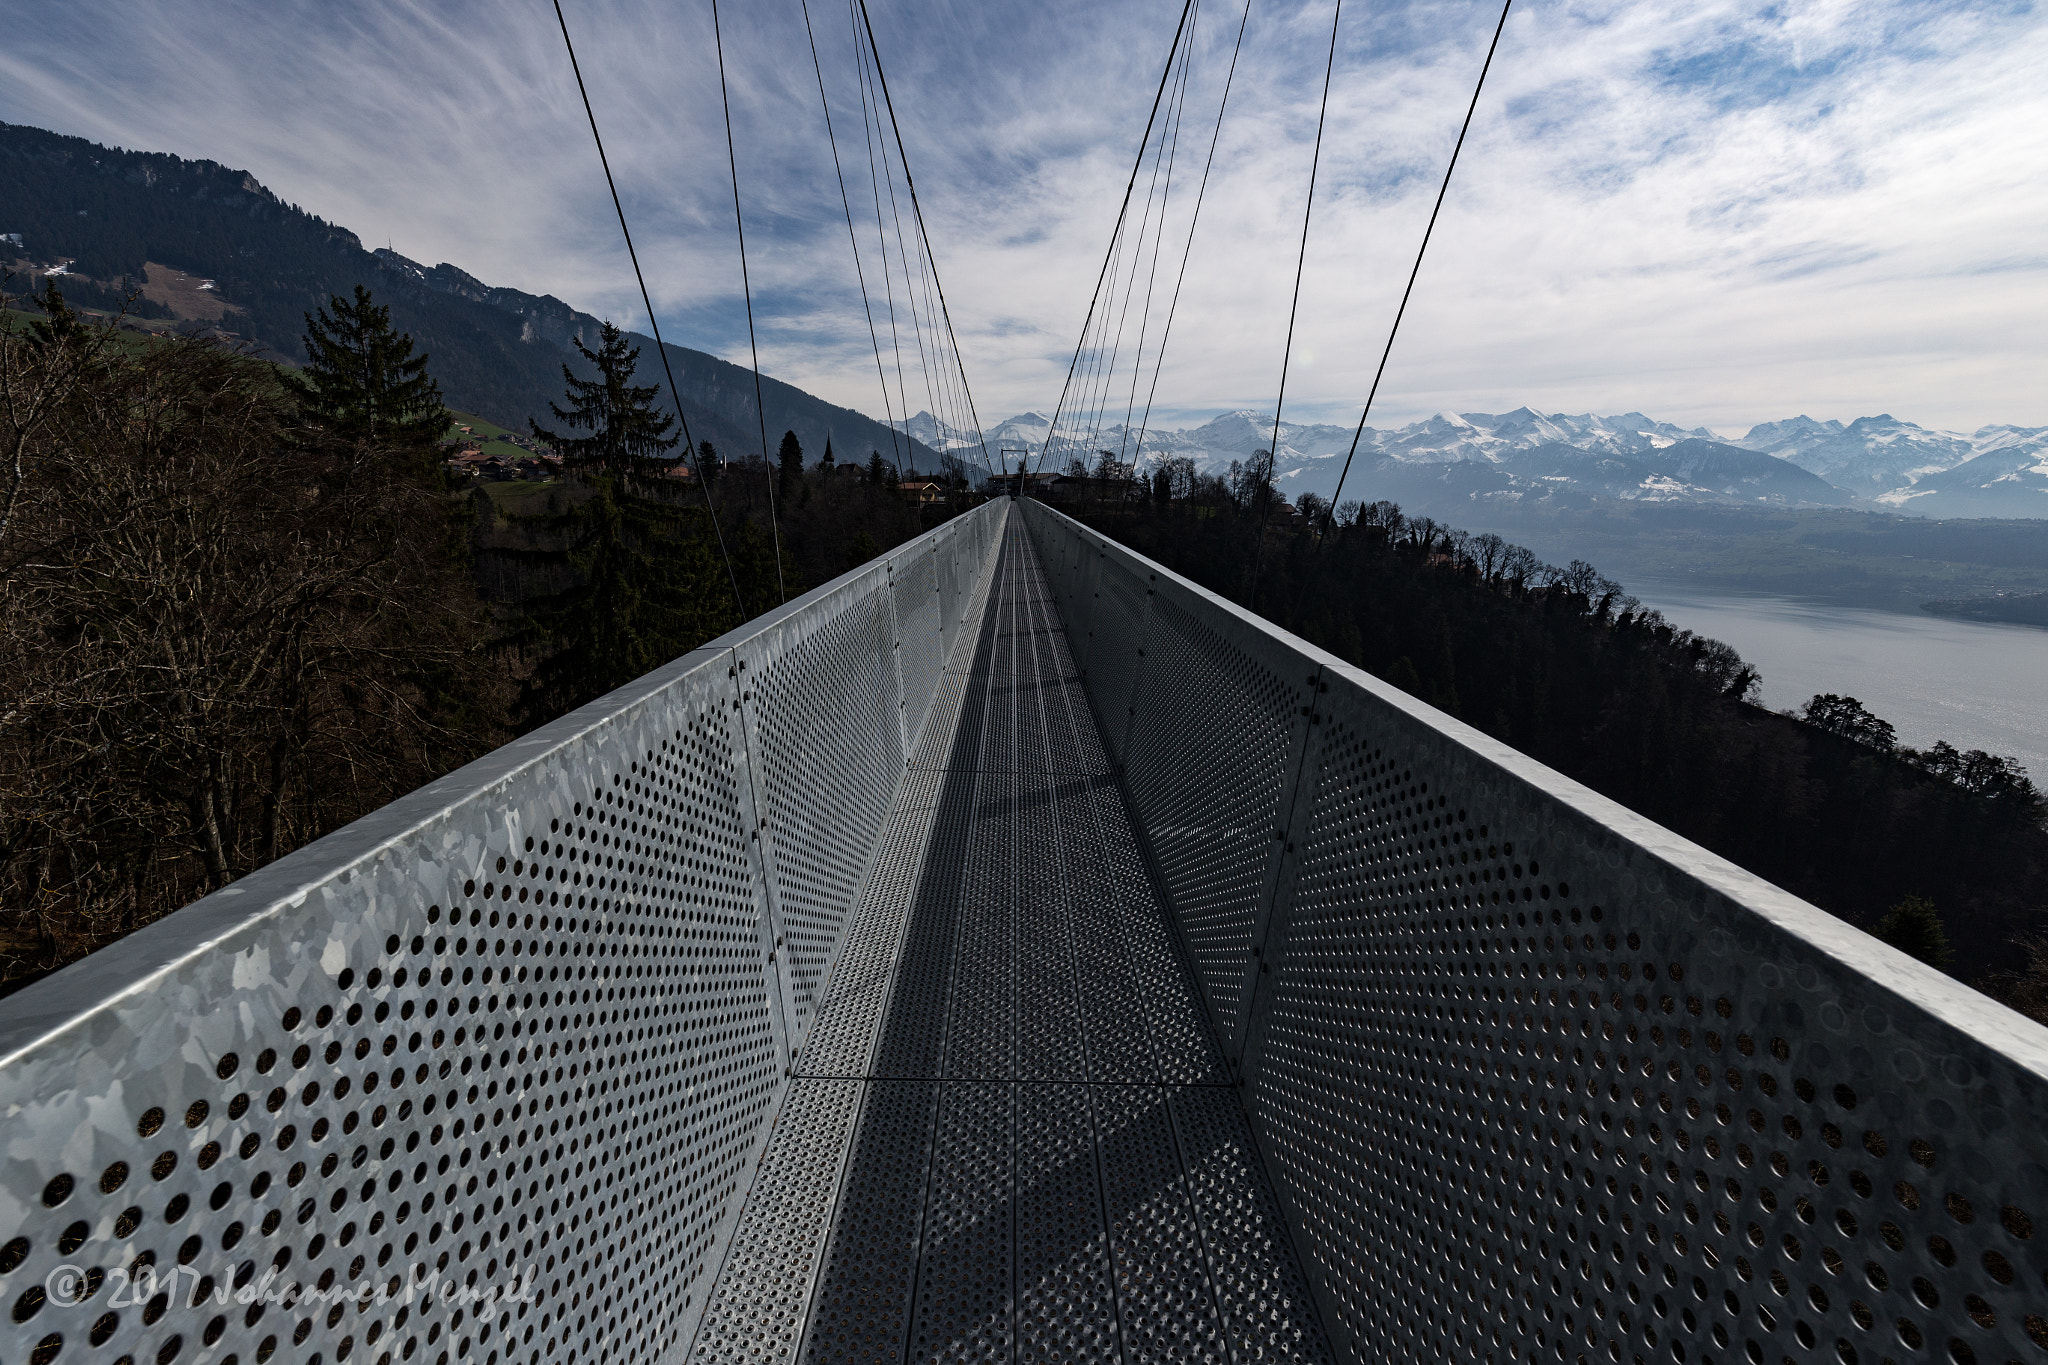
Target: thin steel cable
{"type": "Point", "coordinates": [917, 325]}
{"type": "Point", "coordinates": [852, 239]}
{"type": "Point", "coordinates": [1098, 380]}
{"type": "Point", "coordinates": [1287, 352]}
{"type": "Point", "coordinates": [675, 394]}
{"type": "Point", "coordinates": [1087, 417]}
{"type": "Point", "coordinates": [870, 131]}
{"type": "Point", "coordinates": [1166, 334]}
{"type": "Point", "coordinates": [1098, 355]}
{"type": "Point", "coordinates": [1136, 165]}
{"type": "Point", "coordinates": [1442, 190]}
{"type": "Point", "coordinates": [877, 178]}
{"type": "Point", "coordinates": [1130, 288]}
{"type": "Point", "coordinates": [739, 223]}
{"type": "Point", "coordinates": [1158, 245]}
{"type": "Point", "coordinates": [917, 212]}
{"type": "Point", "coordinates": [935, 408]}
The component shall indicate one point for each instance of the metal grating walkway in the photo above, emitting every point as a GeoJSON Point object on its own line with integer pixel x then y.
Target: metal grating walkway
{"type": "Point", "coordinates": [1012, 1135]}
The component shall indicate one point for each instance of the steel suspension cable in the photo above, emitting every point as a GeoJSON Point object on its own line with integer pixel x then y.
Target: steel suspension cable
{"type": "Point", "coordinates": [917, 318]}
{"type": "Point", "coordinates": [1130, 288]}
{"type": "Point", "coordinates": [869, 131]}
{"type": "Point", "coordinates": [1166, 334]}
{"type": "Point", "coordinates": [846, 203]}
{"type": "Point", "coordinates": [1401, 311]}
{"type": "Point", "coordinates": [1136, 165]}
{"type": "Point", "coordinates": [917, 212]}
{"type": "Point", "coordinates": [1158, 244]}
{"type": "Point", "coordinates": [935, 409]}
{"type": "Point", "coordinates": [746, 286]}
{"type": "Point", "coordinates": [1293, 309]}
{"type": "Point", "coordinates": [675, 394]}
{"type": "Point", "coordinates": [1098, 355]}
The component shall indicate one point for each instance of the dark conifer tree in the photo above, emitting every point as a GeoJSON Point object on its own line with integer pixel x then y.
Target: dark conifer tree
{"type": "Point", "coordinates": [59, 322]}
{"type": "Point", "coordinates": [708, 465]}
{"type": "Point", "coordinates": [790, 460]}
{"type": "Point", "coordinates": [861, 549]}
{"type": "Point", "coordinates": [627, 433]}
{"type": "Point", "coordinates": [1914, 926]}
{"type": "Point", "coordinates": [362, 385]}
{"type": "Point", "coordinates": [876, 468]}
{"type": "Point", "coordinates": [650, 587]}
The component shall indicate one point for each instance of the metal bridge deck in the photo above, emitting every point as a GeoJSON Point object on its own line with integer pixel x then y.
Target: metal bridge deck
{"type": "Point", "coordinates": [1012, 1136]}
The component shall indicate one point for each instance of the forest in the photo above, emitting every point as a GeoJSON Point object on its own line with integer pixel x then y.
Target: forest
{"type": "Point", "coordinates": [1940, 852]}
{"type": "Point", "coordinates": [242, 604]}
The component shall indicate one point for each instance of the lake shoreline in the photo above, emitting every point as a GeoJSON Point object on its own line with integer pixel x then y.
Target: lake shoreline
{"type": "Point", "coordinates": [1977, 684]}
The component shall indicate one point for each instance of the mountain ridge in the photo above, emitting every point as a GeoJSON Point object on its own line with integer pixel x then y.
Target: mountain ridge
{"type": "Point", "coordinates": [1877, 463]}
{"type": "Point", "coordinates": [113, 217]}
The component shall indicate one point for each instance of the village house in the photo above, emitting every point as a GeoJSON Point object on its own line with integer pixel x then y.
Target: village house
{"type": "Point", "coordinates": [923, 492]}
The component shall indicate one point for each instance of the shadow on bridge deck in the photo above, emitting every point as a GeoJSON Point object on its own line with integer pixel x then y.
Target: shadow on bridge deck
{"type": "Point", "coordinates": [1012, 1135]}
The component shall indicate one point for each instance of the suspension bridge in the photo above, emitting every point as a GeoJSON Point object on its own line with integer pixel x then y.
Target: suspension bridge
{"type": "Point", "coordinates": [1013, 951]}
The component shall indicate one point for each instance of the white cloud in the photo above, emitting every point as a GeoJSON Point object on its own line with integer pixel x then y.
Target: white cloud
{"type": "Point", "coordinates": [1717, 215]}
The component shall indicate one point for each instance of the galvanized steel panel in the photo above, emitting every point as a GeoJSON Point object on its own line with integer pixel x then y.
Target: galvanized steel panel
{"type": "Point", "coordinates": [1538, 1080]}
{"type": "Point", "coordinates": [519, 1033]}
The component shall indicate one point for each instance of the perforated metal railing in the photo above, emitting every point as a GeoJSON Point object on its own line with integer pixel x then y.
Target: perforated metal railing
{"type": "Point", "coordinates": [482, 1077]}
{"type": "Point", "coordinates": [1535, 1079]}
{"type": "Point", "coordinates": [1014, 952]}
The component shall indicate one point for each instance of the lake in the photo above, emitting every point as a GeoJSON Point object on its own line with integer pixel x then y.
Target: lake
{"type": "Point", "coordinates": [1975, 684]}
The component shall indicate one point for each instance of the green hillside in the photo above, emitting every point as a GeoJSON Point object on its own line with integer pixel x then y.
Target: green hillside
{"type": "Point", "coordinates": [487, 435]}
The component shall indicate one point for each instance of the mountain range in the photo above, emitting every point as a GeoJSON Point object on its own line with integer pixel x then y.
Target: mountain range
{"type": "Point", "coordinates": [212, 250]}
{"type": "Point", "coordinates": [1538, 460]}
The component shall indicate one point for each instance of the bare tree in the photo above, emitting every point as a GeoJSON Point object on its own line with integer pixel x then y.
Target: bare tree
{"type": "Point", "coordinates": [1487, 551]}
{"type": "Point", "coordinates": [218, 637]}
{"type": "Point", "coordinates": [1519, 567]}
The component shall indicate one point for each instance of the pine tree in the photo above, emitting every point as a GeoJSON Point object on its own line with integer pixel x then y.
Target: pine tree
{"type": "Point", "coordinates": [708, 464]}
{"type": "Point", "coordinates": [652, 589]}
{"type": "Point", "coordinates": [861, 549]}
{"type": "Point", "coordinates": [362, 385]}
{"type": "Point", "coordinates": [875, 468]}
{"type": "Point", "coordinates": [1914, 927]}
{"type": "Point", "coordinates": [627, 433]}
{"type": "Point", "coordinates": [60, 323]}
{"type": "Point", "coordinates": [790, 458]}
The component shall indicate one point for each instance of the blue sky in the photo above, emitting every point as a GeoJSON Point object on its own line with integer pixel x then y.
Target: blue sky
{"type": "Point", "coordinates": [1717, 213]}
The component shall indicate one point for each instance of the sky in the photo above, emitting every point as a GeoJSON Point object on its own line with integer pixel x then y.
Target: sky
{"type": "Point", "coordinates": [1716, 213]}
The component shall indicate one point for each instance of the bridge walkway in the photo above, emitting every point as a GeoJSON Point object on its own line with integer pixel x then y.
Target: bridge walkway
{"type": "Point", "coordinates": [1012, 1135]}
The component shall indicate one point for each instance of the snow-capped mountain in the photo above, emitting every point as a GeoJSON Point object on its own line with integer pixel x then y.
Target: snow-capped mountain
{"type": "Point", "coordinates": [1878, 462]}
{"type": "Point", "coordinates": [2005, 476]}
{"type": "Point", "coordinates": [1996, 471]}
{"type": "Point", "coordinates": [1869, 456]}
